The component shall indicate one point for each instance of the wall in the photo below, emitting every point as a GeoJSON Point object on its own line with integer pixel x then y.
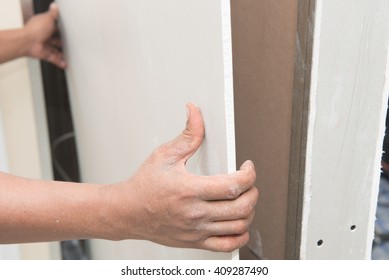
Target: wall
{"type": "Point", "coordinates": [348, 99]}
{"type": "Point", "coordinates": [310, 109]}
{"type": "Point", "coordinates": [22, 133]}
{"type": "Point", "coordinates": [133, 66]}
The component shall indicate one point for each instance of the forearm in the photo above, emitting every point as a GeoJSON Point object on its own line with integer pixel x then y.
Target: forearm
{"type": "Point", "coordinates": [36, 210]}
{"type": "Point", "coordinates": [13, 44]}
{"type": "Point", "coordinates": [160, 202]}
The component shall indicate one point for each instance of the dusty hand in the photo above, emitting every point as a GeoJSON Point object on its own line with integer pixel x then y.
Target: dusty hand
{"type": "Point", "coordinates": [173, 207]}
{"type": "Point", "coordinates": [42, 43]}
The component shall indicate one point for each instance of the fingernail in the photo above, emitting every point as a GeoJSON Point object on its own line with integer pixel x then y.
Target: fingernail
{"type": "Point", "coordinates": [247, 164]}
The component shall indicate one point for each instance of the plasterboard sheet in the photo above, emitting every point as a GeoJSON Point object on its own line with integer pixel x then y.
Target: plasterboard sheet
{"type": "Point", "coordinates": [349, 90]}
{"type": "Point", "coordinates": [133, 65]}
{"type": "Point", "coordinates": [264, 35]}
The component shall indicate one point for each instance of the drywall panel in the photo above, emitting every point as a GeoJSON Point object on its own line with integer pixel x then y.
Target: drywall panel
{"type": "Point", "coordinates": [349, 91]}
{"type": "Point", "coordinates": [264, 52]}
{"type": "Point", "coordinates": [133, 65]}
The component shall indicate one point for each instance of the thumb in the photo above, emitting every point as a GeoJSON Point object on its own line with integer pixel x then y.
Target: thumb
{"type": "Point", "coordinates": [187, 143]}
{"type": "Point", "coordinates": [247, 165]}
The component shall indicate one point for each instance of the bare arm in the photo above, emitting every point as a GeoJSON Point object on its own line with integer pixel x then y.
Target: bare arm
{"type": "Point", "coordinates": [162, 202]}
{"type": "Point", "coordinates": [13, 44]}
{"type": "Point", "coordinates": [35, 40]}
{"type": "Point", "coordinates": [36, 210]}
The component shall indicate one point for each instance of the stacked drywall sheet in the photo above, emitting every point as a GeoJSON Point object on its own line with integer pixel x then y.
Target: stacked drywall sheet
{"type": "Point", "coordinates": [133, 65]}
{"type": "Point", "coordinates": [349, 91]}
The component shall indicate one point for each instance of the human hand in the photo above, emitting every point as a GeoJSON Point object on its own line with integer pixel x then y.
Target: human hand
{"type": "Point", "coordinates": [164, 203]}
{"type": "Point", "coordinates": [42, 43]}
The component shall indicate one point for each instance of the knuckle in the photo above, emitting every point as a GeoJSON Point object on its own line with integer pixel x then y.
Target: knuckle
{"type": "Point", "coordinates": [245, 238]}
{"type": "Point", "coordinates": [233, 192]}
{"type": "Point", "coordinates": [228, 246]}
{"type": "Point", "coordinates": [209, 189]}
{"type": "Point", "coordinates": [194, 215]}
{"type": "Point", "coordinates": [241, 227]}
{"type": "Point", "coordinates": [192, 238]}
{"type": "Point", "coordinates": [231, 244]}
{"type": "Point", "coordinates": [254, 195]}
{"type": "Point", "coordinates": [246, 210]}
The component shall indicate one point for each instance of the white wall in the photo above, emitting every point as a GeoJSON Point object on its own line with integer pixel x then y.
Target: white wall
{"type": "Point", "coordinates": [7, 252]}
{"type": "Point", "coordinates": [3, 152]}
{"type": "Point", "coordinates": [347, 111]}
{"type": "Point", "coordinates": [133, 65]}
{"type": "Point", "coordinates": [24, 139]}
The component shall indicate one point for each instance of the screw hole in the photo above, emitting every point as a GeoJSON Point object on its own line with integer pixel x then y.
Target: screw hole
{"type": "Point", "coordinates": [353, 227]}
{"type": "Point", "coordinates": [320, 242]}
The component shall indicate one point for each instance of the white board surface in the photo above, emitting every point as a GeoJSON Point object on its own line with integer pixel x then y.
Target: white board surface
{"type": "Point", "coordinates": [133, 65]}
{"type": "Point", "coordinates": [346, 124]}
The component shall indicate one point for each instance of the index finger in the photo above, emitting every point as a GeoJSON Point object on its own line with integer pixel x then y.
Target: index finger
{"type": "Point", "coordinates": [228, 187]}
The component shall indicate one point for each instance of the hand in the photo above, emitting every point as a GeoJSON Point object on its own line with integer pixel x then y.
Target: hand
{"type": "Point", "coordinates": [173, 207]}
{"type": "Point", "coordinates": [42, 43]}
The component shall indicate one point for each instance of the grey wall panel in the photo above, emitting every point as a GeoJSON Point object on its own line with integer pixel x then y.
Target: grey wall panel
{"type": "Point", "coordinates": [348, 101]}
{"type": "Point", "coordinates": [133, 65]}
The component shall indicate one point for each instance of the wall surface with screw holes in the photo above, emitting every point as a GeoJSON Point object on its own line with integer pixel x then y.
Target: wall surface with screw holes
{"type": "Point", "coordinates": [346, 125]}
